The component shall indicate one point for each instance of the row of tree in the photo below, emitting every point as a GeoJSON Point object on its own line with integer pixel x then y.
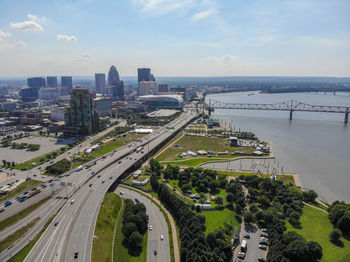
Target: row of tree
{"type": "Point", "coordinates": [59, 167]}
{"type": "Point", "coordinates": [135, 222]}
{"type": "Point", "coordinates": [339, 215]}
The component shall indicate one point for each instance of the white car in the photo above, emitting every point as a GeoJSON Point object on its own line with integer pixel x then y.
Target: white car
{"type": "Point", "coordinates": [161, 237]}
{"type": "Point", "coordinates": [150, 228]}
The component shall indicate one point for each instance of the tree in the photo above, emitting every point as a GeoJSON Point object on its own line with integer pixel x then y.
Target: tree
{"type": "Point", "coordinates": [294, 218]}
{"type": "Point", "coordinates": [219, 200]}
{"type": "Point", "coordinates": [344, 224]}
{"type": "Point", "coordinates": [309, 196]}
{"type": "Point", "coordinates": [186, 188]}
{"type": "Point", "coordinates": [135, 240]}
{"type": "Point", "coordinates": [253, 208]}
{"type": "Point", "coordinates": [229, 197]}
{"type": "Point", "coordinates": [314, 251]}
{"type": "Point", "coordinates": [335, 235]}
{"type": "Point", "coordinates": [128, 229]}
{"type": "Point", "coordinates": [249, 218]}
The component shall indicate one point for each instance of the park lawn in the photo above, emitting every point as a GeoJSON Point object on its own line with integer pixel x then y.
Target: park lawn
{"type": "Point", "coordinates": [192, 162]}
{"type": "Point", "coordinates": [22, 214]}
{"type": "Point", "coordinates": [120, 252]}
{"type": "Point", "coordinates": [195, 143]}
{"type": "Point", "coordinates": [222, 193]}
{"type": "Point", "coordinates": [106, 221]}
{"type": "Point", "coordinates": [217, 218]}
{"type": "Point", "coordinates": [25, 186]}
{"type": "Point", "coordinates": [315, 226]}
{"type": "Point", "coordinates": [17, 235]}
{"type": "Point", "coordinates": [27, 165]}
{"type": "Point", "coordinates": [287, 179]}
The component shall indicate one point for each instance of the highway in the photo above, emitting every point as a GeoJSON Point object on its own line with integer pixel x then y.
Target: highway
{"type": "Point", "coordinates": [159, 227]}
{"type": "Point", "coordinates": [75, 229]}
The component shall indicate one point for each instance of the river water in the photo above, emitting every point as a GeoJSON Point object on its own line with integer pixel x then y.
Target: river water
{"type": "Point", "coordinates": [314, 145]}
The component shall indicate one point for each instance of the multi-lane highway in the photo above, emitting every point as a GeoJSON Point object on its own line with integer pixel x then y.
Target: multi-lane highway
{"type": "Point", "coordinates": [159, 228]}
{"type": "Point", "coordinates": [76, 222]}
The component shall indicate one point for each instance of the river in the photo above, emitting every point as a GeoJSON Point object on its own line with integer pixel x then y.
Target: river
{"type": "Point", "coordinates": [314, 145]}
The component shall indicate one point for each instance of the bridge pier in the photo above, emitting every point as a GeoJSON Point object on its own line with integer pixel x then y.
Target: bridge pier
{"type": "Point", "coordinates": [290, 115]}
{"type": "Point", "coordinates": [346, 117]}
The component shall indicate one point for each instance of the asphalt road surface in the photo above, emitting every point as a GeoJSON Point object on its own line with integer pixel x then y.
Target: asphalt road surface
{"type": "Point", "coordinates": [159, 227]}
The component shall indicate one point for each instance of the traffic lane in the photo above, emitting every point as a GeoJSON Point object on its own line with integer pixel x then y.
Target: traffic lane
{"type": "Point", "coordinates": [253, 250]}
{"type": "Point", "coordinates": [159, 227]}
{"type": "Point", "coordinates": [17, 206]}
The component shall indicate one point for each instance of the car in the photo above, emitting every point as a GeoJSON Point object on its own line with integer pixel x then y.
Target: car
{"type": "Point", "coordinates": [264, 230]}
{"type": "Point", "coordinates": [241, 255]}
{"type": "Point", "coordinates": [76, 254]}
{"type": "Point", "coordinates": [155, 252]}
{"type": "Point", "coordinates": [2, 210]}
{"type": "Point", "coordinates": [119, 161]}
{"type": "Point", "coordinates": [51, 162]}
{"type": "Point", "coordinates": [72, 201]}
{"type": "Point", "coordinates": [260, 259]}
{"type": "Point", "coordinates": [103, 181]}
{"type": "Point", "coordinates": [137, 200]}
{"type": "Point", "coordinates": [161, 237]}
{"type": "Point", "coordinates": [98, 176]}
{"type": "Point", "coordinates": [263, 235]}
{"type": "Point", "coordinates": [247, 236]}
{"type": "Point", "coordinates": [121, 192]}
{"type": "Point", "coordinates": [35, 175]}
{"type": "Point", "coordinates": [56, 223]}
{"type": "Point", "coordinates": [150, 228]}
{"type": "Point", "coordinates": [7, 203]}
{"type": "Point", "coordinates": [93, 172]}
{"type": "Point", "coordinates": [263, 247]}
{"type": "Point", "coordinates": [90, 185]}
{"type": "Point", "coordinates": [34, 188]}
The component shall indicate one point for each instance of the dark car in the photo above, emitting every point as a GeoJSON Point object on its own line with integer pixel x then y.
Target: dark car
{"type": "Point", "coordinates": [76, 254]}
{"type": "Point", "coordinates": [56, 223]}
{"type": "Point", "coordinates": [137, 200]}
{"type": "Point", "coordinates": [90, 185]}
{"type": "Point", "coordinates": [260, 259]}
{"type": "Point", "coordinates": [98, 176]}
{"type": "Point", "coordinates": [247, 236]}
{"type": "Point", "coordinates": [155, 252]}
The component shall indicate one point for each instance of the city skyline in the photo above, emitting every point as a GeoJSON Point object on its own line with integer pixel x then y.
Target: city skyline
{"type": "Point", "coordinates": [175, 38]}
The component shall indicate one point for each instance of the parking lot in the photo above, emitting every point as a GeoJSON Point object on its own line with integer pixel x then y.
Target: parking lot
{"type": "Point", "coordinates": [47, 144]}
{"type": "Point", "coordinates": [253, 252]}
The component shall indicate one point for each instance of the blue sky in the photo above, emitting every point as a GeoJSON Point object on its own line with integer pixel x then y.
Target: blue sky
{"type": "Point", "coordinates": [175, 37]}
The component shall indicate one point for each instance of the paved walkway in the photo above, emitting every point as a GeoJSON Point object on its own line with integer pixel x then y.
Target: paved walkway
{"type": "Point", "coordinates": [172, 222]}
{"type": "Point", "coordinates": [315, 207]}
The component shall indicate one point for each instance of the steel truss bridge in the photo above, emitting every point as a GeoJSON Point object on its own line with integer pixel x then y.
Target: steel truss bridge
{"type": "Point", "coordinates": [291, 106]}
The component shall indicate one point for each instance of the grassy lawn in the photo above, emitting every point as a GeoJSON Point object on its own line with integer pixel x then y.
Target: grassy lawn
{"type": "Point", "coordinates": [25, 212]}
{"type": "Point", "coordinates": [21, 255]}
{"type": "Point", "coordinates": [107, 217]}
{"type": "Point", "coordinates": [316, 226]}
{"type": "Point", "coordinates": [26, 185]}
{"type": "Point", "coordinates": [222, 193]}
{"type": "Point", "coordinates": [191, 162]}
{"type": "Point", "coordinates": [287, 179]}
{"type": "Point", "coordinates": [195, 143]}
{"type": "Point", "coordinates": [17, 235]}
{"type": "Point", "coordinates": [27, 165]}
{"type": "Point", "coordinates": [121, 253]}
{"type": "Point", "coordinates": [217, 218]}
{"type": "Point", "coordinates": [108, 147]}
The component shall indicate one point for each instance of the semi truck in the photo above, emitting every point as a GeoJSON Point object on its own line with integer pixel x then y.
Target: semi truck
{"type": "Point", "coordinates": [34, 192]}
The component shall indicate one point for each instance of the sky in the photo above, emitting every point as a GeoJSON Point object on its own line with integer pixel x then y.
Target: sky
{"type": "Point", "coordinates": [175, 37]}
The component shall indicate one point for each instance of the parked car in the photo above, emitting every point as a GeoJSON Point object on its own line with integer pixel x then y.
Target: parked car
{"type": "Point", "coordinates": [263, 247]}
{"type": "Point", "coordinates": [264, 230]}
{"type": "Point", "coordinates": [137, 200]}
{"type": "Point", "coordinates": [2, 210]}
{"type": "Point", "coordinates": [260, 259]}
{"type": "Point", "coordinates": [241, 255]}
{"type": "Point", "coordinates": [247, 236]}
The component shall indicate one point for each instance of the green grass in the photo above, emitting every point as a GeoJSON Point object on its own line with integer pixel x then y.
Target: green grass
{"type": "Point", "coordinates": [217, 218]}
{"type": "Point", "coordinates": [317, 227]}
{"type": "Point", "coordinates": [21, 255]}
{"type": "Point", "coordinates": [120, 252]}
{"type": "Point", "coordinates": [195, 143]}
{"type": "Point", "coordinates": [16, 235]}
{"type": "Point", "coordinates": [191, 162]}
{"type": "Point", "coordinates": [107, 217]}
{"type": "Point", "coordinates": [25, 186]}
{"type": "Point", "coordinates": [27, 165]}
{"type": "Point", "coordinates": [25, 212]}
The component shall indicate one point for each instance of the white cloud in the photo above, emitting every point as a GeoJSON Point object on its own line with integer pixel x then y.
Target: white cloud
{"type": "Point", "coordinates": [3, 35]}
{"type": "Point", "coordinates": [159, 7]}
{"type": "Point", "coordinates": [205, 14]}
{"type": "Point", "coordinates": [18, 44]}
{"type": "Point", "coordinates": [226, 59]}
{"type": "Point", "coordinates": [29, 25]}
{"type": "Point", "coordinates": [67, 37]}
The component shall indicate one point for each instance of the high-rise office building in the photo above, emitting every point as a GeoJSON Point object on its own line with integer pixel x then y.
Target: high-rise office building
{"type": "Point", "coordinates": [117, 90]}
{"type": "Point", "coordinates": [144, 74]}
{"type": "Point", "coordinates": [51, 81]}
{"type": "Point", "coordinates": [66, 85]}
{"type": "Point", "coordinates": [152, 78]}
{"type": "Point", "coordinates": [29, 94]}
{"type": "Point", "coordinates": [36, 82]}
{"type": "Point", "coordinates": [113, 76]}
{"type": "Point", "coordinates": [147, 88]}
{"type": "Point", "coordinates": [100, 83]}
{"type": "Point", "coordinates": [81, 117]}
{"type": "Point", "coordinates": [163, 88]}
